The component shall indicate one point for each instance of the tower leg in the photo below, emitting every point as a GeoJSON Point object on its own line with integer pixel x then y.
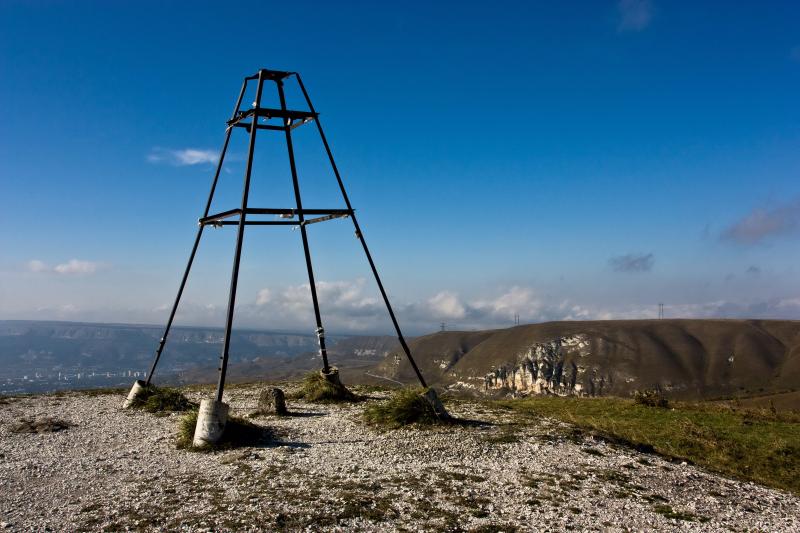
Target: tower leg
{"type": "Point", "coordinates": [360, 236]}
{"type": "Point", "coordinates": [224, 150]}
{"type": "Point", "coordinates": [304, 236]}
{"type": "Point", "coordinates": [238, 253]}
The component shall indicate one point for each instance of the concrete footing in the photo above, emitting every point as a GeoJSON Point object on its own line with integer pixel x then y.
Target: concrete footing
{"type": "Point", "coordinates": [211, 419]}
{"type": "Point", "coordinates": [138, 388]}
{"type": "Point", "coordinates": [331, 376]}
{"type": "Point", "coordinates": [432, 398]}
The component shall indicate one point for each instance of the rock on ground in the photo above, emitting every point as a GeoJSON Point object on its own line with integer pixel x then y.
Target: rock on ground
{"type": "Point", "coordinates": [326, 470]}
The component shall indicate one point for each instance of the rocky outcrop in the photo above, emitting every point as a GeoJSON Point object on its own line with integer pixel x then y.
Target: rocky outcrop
{"type": "Point", "coordinates": [554, 367]}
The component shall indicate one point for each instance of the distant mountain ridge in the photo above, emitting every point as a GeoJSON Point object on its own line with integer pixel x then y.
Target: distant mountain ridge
{"type": "Point", "coordinates": [682, 358]}
{"type": "Point", "coordinates": [28, 347]}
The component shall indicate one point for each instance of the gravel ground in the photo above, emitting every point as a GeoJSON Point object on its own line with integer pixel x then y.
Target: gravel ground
{"type": "Point", "coordinates": [324, 469]}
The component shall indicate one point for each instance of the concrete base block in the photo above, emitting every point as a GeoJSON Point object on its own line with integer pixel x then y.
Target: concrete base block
{"type": "Point", "coordinates": [432, 398]}
{"type": "Point", "coordinates": [138, 388]}
{"type": "Point", "coordinates": [272, 400]}
{"type": "Point", "coordinates": [211, 419]}
{"type": "Point", "coordinates": [331, 376]}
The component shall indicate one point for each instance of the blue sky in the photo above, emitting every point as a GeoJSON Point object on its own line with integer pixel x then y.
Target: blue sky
{"type": "Point", "coordinates": [556, 160]}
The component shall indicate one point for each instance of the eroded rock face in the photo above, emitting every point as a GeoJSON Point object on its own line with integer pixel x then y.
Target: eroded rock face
{"type": "Point", "coordinates": [553, 367]}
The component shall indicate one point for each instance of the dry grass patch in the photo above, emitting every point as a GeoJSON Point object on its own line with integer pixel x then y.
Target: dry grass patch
{"type": "Point", "coordinates": [39, 425]}
{"type": "Point", "coordinates": [406, 406]}
{"type": "Point", "coordinates": [317, 389]}
{"type": "Point", "coordinates": [162, 400]}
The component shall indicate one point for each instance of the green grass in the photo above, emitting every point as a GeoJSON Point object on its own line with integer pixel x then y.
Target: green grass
{"type": "Point", "coordinates": [760, 446]}
{"type": "Point", "coordinates": [406, 406]}
{"type": "Point", "coordinates": [317, 389]}
{"type": "Point", "coordinates": [102, 391]}
{"type": "Point", "coordinates": [161, 400]}
{"type": "Point", "coordinates": [239, 432]}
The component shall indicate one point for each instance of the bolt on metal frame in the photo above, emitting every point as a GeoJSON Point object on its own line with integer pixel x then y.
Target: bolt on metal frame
{"type": "Point", "coordinates": [289, 120]}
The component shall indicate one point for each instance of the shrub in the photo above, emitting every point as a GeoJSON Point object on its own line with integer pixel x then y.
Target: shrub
{"type": "Point", "coordinates": [160, 400]}
{"type": "Point", "coordinates": [650, 398]}
{"type": "Point", "coordinates": [407, 406]}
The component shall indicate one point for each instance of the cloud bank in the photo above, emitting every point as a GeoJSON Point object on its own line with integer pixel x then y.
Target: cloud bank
{"type": "Point", "coordinates": [355, 307]}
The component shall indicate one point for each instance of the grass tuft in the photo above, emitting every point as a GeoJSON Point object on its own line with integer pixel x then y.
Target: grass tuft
{"type": "Point", "coordinates": [162, 400]}
{"type": "Point", "coordinates": [239, 433]}
{"type": "Point", "coordinates": [317, 389]}
{"type": "Point", "coordinates": [650, 398]}
{"type": "Point", "coordinates": [407, 406]}
{"type": "Point", "coordinates": [39, 425]}
{"type": "Point", "coordinates": [668, 512]}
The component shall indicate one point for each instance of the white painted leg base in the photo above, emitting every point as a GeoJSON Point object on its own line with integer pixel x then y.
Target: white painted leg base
{"type": "Point", "coordinates": [211, 419]}
{"type": "Point", "coordinates": [138, 388]}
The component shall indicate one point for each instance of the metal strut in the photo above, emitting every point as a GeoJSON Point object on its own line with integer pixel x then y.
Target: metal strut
{"type": "Point", "coordinates": [163, 339]}
{"type": "Point", "coordinates": [360, 235]}
{"type": "Point", "coordinates": [304, 235]}
{"type": "Point", "coordinates": [223, 367]}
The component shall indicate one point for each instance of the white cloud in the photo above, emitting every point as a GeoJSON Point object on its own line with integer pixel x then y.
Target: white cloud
{"type": "Point", "coordinates": [73, 266]}
{"type": "Point", "coordinates": [263, 297]}
{"type": "Point", "coordinates": [183, 157]}
{"type": "Point", "coordinates": [447, 306]}
{"type": "Point", "coordinates": [517, 300]}
{"type": "Point", "coordinates": [634, 15]}
{"type": "Point", "coordinates": [34, 265]}
{"type": "Point", "coordinates": [76, 266]}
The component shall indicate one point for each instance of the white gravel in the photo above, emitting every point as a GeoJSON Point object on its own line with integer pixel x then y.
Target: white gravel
{"type": "Point", "coordinates": [326, 470]}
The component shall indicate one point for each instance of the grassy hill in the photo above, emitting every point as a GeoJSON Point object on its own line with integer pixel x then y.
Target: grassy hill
{"type": "Point", "coordinates": [692, 359]}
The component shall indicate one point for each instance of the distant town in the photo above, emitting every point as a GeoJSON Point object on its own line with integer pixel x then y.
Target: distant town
{"type": "Point", "coordinates": [71, 378]}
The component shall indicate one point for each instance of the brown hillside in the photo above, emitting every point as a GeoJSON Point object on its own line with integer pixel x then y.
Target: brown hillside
{"type": "Point", "coordinates": [685, 358]}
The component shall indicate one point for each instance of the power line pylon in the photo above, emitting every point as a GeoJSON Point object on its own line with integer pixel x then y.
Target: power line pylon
{"type": "Point", "coordinates": [214, 413]}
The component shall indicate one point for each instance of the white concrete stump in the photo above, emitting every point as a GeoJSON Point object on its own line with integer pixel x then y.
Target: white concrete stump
{"type": "Point", "coordinates": [438, 407]}
{"type": "Point", "coordinates": [211, 419]}
{"type": "Point", "coordinates": [138, 388]}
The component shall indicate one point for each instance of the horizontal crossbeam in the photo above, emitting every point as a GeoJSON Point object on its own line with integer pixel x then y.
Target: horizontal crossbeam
{"type": "Point", "coordinates": [268, 113]}
{"type": "Point", "coordinates": [253, 223]}
{"type": "Point", "coordinates": [247, 125]}
{"type": "Point", "coordinates": [294, 125]}
{"type": "Point", "coordinates": [270, 74]}
{"type": "Point", "coordinates": [293, 212]}
{"type": "Point", "coordinates": [216, 218]}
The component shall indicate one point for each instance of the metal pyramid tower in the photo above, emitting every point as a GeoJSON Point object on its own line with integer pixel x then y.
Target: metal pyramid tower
{"type": "Point", "coordinates": [282, 120]}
